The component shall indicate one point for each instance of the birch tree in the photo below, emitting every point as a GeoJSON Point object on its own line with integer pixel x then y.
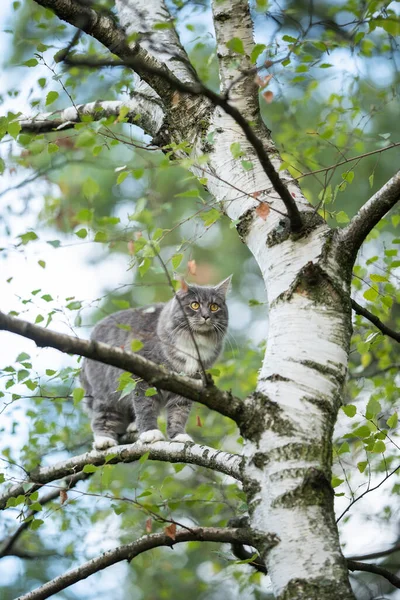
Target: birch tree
{"type": "Point", "coordinates": [305, 249]}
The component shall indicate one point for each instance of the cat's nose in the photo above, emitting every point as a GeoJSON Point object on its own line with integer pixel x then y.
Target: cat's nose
{"type": "Point", "coordinates": [205, 317]}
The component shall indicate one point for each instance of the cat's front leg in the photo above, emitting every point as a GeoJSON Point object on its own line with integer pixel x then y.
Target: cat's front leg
{"type": "Point", "coordinates": [107, 423]}
{"type": "Point", "coordinates": [146, 412]}
{"type": "Point", "coordinates": [178, 409]}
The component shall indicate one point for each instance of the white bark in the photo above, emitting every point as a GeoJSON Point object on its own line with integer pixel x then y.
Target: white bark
{"type": "Point", "coordinates": [142, 17]}
{"type": "Point", "coordinates": [144, 110]}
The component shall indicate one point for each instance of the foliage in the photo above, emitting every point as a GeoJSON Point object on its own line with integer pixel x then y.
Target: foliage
{"type": "Point", "coordinates": [101, 191]}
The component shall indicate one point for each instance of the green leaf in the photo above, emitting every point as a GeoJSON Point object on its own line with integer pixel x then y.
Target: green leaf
{"type": "Point", "coordinates": [236, 150]}
{"type": "Point", "coordinates": [136, 345]}
{"type": "Point", "coordinates": [193, 193]}
{"type": "Point", "coordinates": [27, 237]}
{"type": "Point", "coordinates": [101, 237]}
{"type": "Point", "coordinates": [35, 524]}
{"type": "Point", "coordinates": [378, 278]}
{"type": "Point", "coordinates": [51, 97]}
{"type": "Point", "coordinates": [336, 481]}
{"type": "Point", "coordinates": [393, 420]}
{"type": "Point", "coordinates": [22, 357]}
{"type": "Point", "coordinates": [371, 294]}
{"type": "Point", "coordinates": [150, 391]}
{"type": "Point", "coordinates": [32, 62]}
{"type": "Point", "coordinates": [42, 264]}
{"type": "Point", "coordinates": [236, 45]}
{"type": "Point", "coordinates": [257, 50]}
{"type": "Point", "coordinates": [246, 560]}
{"type": "Point", "coordinates": [89, 469]}
{"type": "Point", "coordinates": [122, 176]}
{"type": "Point", "coordinates": [349, 176]}
{"type": "Point", "coordinates": [341, 217]}
{"type": "Point", "coordinates": [379, 446]}
{"type": "Point", "coordinates": [325, 66]}
{"type": "Point", "coordinates": [210, 217]}
{"type": "Point", "coordinates": [78, 394]}
{"type": "Point", "coordinates": [54, 243]}
{"type": "Point", "coordinates": [52, 148]}
{"type": "Point", "coordinates": [75, 305]}
{"type": "Point", "coordinates": [362, 432]}
{"type": "Point", "coordinates": [350, 410]}
{"type": "Point", "coordinates": [371, 180]}
{"type": "Point", "coordinates": [247, 165]}
{"type": "Point", "coordinates": [289, 38]}
{"type": "Point", "coordinates": [122, 304]}
{"type": "Point", "coordinates": [361, 466]}
{"type": "Point", "coordinates": [14, 128]}
{"type": "Point", "coordinates": [345, 447]}
{"type": "Point", "coordinates": [143, 458]}
{"type": "Point", "coordinates": [81, 233]}
{"type": "Point", "coordinates": [176, 260]}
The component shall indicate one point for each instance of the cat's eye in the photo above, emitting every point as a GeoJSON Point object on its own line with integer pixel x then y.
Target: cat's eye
{"type": "Point", "coordinates": [195, 305]}
{"type": "Point", "coordinates": [214, 307]}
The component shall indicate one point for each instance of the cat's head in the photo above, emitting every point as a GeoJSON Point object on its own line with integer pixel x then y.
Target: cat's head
{"type": "Point", "coordinates": [202, 308]}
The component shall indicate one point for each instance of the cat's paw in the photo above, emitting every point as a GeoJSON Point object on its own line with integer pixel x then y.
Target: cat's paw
{"type": "Point", "coordinates": [101, 442]}
{"type": "Point", "coordinates": [151, 436]}
{"type": "Point", "coordinates": [183, 438]}
{"type": "Point", "coordinates": [132, 427]}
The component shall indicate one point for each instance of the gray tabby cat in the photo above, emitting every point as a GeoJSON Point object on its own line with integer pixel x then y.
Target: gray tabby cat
{"type": "Point", "coordinates": [167, 332]}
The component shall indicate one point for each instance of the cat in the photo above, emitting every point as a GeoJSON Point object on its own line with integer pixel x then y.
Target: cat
{"type": "Point", "coordinates": [167, 332]}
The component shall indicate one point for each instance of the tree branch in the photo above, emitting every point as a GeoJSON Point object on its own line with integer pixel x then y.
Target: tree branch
{"type": "Point", "coordinates": [130, 551]}
{"type": "Point", "coordinates": [354, 565]}
{"type": "Point", "coordinates": [378, 554]}
{"type": "Point", "coordinates": [144, 111]}
{"type": "Point", "coordinates": [174, 452]}
{"type": "Point", "coordinates": [360, 310]}
{"type": "Point", "coordinates": [6, 547]}
{"type": "Point", "coordinates": [369, 215]}
{"type": "Point", "coordinates": [156, 375]}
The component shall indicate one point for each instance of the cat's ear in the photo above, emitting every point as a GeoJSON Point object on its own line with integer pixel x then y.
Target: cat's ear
{"type": "Point", "coordinates": [224, 285]}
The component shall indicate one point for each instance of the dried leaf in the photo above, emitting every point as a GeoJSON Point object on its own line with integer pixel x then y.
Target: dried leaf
{"type": "Point", "coordinates": [262, 82]}
{"type": "Point", "coordinates": [198, 421]}
{"type": "Point", "coordinates": [138, 234]}
{"type": "Point", "coordinates": [170, 531]}
{"type": "Point", "coordinates": [183, 285]}
{"type": "Point", "coordinates": [149, 524]}
{"type": "Point", "coordinates": [131, 247]}
{"type": "Point", "coordinates": [63, 496]}
{"type": "Point", "coordinates": [192, 267]}
{"type": "Point", "coordinates": [263, 210]}
{"type": "Point", "coordinates": [256, 194]}
{"type": "Point", "coordinates": [268, 63]}
{"type": "Point", "coordinates": [268, 96]}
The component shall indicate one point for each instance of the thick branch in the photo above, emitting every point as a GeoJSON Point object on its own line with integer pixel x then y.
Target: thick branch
{"type": "Point", "coordinates": [354, 565]}
{"type": "Point", "coordinates": [369, 215]}
{"type": "Point", "coordinates": [154, 374]}
{"type": "Point", "coordinates": [144, 111]}
{"type": "Point", "coordinates": [130, 551]}
{"type": "Point", "coordinates": [360, 310]}
{"type": "Point", "coordinates": [173, 452]}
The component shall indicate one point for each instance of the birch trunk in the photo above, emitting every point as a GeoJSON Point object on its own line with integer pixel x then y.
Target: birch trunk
{"type": "Point", "coordinates": [293, 411]}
